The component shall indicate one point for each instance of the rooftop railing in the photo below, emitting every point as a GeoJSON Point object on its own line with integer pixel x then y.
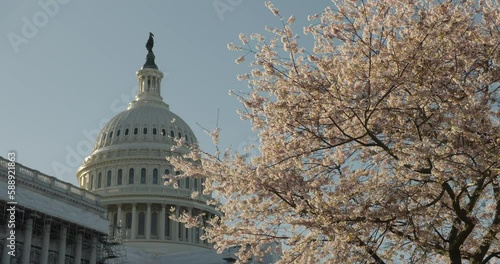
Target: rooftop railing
{"type": "Point", "coordinates": [50, 182]}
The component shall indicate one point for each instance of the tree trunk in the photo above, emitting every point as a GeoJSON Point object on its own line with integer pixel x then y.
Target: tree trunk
{"type": "Point", "coordinates": [455, 256]}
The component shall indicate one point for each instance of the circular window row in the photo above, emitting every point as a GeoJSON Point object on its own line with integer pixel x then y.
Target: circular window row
{"type": "Point", "coordinates": [135, 131]}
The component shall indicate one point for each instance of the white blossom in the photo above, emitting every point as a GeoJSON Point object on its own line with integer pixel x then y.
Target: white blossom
{"type": "Point", "coordinates": [243, 38]}
{"type": "Point", "coordinates": [240, 60]}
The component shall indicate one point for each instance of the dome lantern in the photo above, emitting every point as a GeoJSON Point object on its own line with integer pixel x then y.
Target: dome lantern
{"type": "Point", "coordinates": [149, 76]}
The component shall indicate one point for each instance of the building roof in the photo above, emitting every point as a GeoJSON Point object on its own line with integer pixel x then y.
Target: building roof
{"type": "Point", "coordinates": [50, 196]}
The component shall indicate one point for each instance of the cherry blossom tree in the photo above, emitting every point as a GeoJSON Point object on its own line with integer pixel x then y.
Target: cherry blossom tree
{"type": "Point", "coordinates": [378, 145]}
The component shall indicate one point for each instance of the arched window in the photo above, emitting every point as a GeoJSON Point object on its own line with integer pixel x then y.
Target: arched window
{"type": "Point", "coordinates": [195, 184]}
{"type": "Point", "coordinates": [108, 178]}
{"type": "Point", "coordinates": [163, 132]}
{"type": "Point", "coordinates": [179, 134]}
{"type": "Point", "coordinates": [172, 133]}
{"type": "Point", "coordinates": [155, 176]}
{"type": "Point", "coordinates": [167, 172]}
{"type": "Point", "coordinates": [197, 234]}
{"type": "Point", "coordinates": [186, 137]}
{"type": "Point", "coordinates": [140, 229]}
{"type": "Point", "coordinates": [145, 131]}
{"type": "Point", "coordinates": [136, 130]}
{"type": "Point", "coordinates": [119, 180]}
{"type": "Point", "coordinates": [118, 133]}
{"type": "Point", "coordinates": [154, 224]}
{"type": "Point", "coordinates": [128, 220]}
{"type": "Point", "coordinates": [111, 134]}
{"type": "Point", "coordinates": [131, 176]}
{"type": "Point", "coordinates": [178, 181]}
{"type": "Point", "coordinates": [154, 131]}
{"type": "Point", "coordinates": [91, 182]}
{"type": "Point", "coordinates": [143, 176]}
{"type": "Point", "coordinates": [126, 132]}
{"type": "Point", "coordinates": [99, 180]}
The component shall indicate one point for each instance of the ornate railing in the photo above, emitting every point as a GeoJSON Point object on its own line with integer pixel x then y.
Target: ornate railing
{"type": "Point", "coordinates": [50, 182]}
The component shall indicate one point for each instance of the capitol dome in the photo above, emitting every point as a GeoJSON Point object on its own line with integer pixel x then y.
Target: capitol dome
{"type": "Point", "coordinates": [128, 168]}
{"type": "Point", "coordinates": [144, 122]}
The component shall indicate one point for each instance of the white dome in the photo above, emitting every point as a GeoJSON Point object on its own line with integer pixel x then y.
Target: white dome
{"type": "Point", "coordinates": [144, 122]}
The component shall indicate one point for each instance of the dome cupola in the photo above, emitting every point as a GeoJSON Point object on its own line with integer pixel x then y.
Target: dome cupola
{"type": "Point", "coordinates": [149, 76]}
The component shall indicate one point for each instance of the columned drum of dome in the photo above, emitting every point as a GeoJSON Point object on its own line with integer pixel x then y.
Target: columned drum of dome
{"type": "Point", "coordinates": [127, 165]}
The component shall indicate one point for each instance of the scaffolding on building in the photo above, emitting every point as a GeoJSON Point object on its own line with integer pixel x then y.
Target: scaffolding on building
{"type": "Point", "coordinates": [114, 247]}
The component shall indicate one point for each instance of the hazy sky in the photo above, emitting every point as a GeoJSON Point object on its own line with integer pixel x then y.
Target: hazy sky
{"type": "Point", "coordinates": [68, 66]}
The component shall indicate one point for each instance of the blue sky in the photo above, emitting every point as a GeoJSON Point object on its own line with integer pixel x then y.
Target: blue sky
{"type": "Point", "coordinates": [68, 66]}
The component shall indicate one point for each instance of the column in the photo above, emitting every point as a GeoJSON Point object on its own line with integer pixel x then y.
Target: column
{"type": "Point", "coordinates": [139, 84]}
{"type": "Point", "coordinates": [78, 250]}
{"type": "Point", "coordinates": [134, 222]}
{"type": "Point", "coordinates": [110, 215]}
{"type": "Point", "coordinates": [45, 244]}
{"type": "Point", "coordinates": [148, 221]}
{"type": "Point", "coordinates": [5, 253]}
{"type": "Point", "coordinates": [93, 250]}
{"type": "Point", "coordinates": [28, 229]}
{"type": "Point", "coordinates": [209, 217]}
{"type": "Point", "coordinates": [175, 226]}
{"type": "Point", "coordinates": [190, 230]}
{"type": "Point", "coordinates": [162, 222]}
{"type": "Point", "coordinates": [119, 223]}
{"type": "Point", "coordinates": [61, 257]}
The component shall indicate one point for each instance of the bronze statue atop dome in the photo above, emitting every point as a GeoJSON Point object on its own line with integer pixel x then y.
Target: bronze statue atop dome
{"type": "Point", "coordinates": [150, 57]}
{"type": "Point", "coordinates": [150, 43]}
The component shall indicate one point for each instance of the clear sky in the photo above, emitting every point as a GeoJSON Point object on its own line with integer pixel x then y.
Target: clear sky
{"type": "Point", "coordinates": [68, 66]}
